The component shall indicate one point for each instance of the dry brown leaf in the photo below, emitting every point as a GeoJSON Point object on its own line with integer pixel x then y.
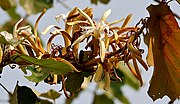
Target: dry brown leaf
{"type": "Point", "coordinates": [163, 43]}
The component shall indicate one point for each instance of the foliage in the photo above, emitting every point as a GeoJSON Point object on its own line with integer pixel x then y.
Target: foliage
{"type": "Point", "coordinates": [24, 95]}
{"type": "Point", "coordinates": [110, 56]}
{"type": "Point", "coordinates": [101, 1]}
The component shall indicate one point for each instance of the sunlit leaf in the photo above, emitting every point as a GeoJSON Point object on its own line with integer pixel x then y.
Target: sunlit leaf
{"type": "Point", "coordinates": [51, 94]}
{"type": "Point", "coordinates": [74, 81]}
{"type": "Point", "coordinates": [35, 6]}
{"type": "Point", "coordinates": [50, 64]}
{"type": "Point", "coordinates": [102, 99]}
{"type": "Point", "coordinates": [163, 43]}
{"type": "Point", "coordinates": [37, 75]}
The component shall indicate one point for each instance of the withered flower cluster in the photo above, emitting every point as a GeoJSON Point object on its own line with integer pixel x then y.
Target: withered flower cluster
{"type": "Point", "coordinates": [105, 45]}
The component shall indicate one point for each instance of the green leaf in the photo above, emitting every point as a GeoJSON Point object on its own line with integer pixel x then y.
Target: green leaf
{"type": "Point", "coordinates": [69, 101]}
{"type": "Point", "coordinates": [35, 6]}
{"type": "Point", "coordinates": [102, 99]}
{"type": "Point", "coordinates": [128, 77]}
{"type": "Point", "coordinates": [13, 41]}
{"type": "Point", "coordinates": [3, 40]}
{"type": "Point", "coordinates": [116, 91]}
{"type": "Point", "coordinates": [74, 81]}
{"type": "Point", "coordinates": [12, 13]}
{"type": "Point", "coordinates": [37, 75]}
{"type": "Point", "coordinates": [50, 64]}
{"type": "Point", "coordinates": [51, 94]}
{"type": "Point", "coordinates": [8, 26]}
{"type": "Point", "coordinates": [43, 101]}
{"type": "Point", "coordinates": [94, 1]}
{"type": "Point", "coordinates": [25, 95]}
{"type": "Point", "coordinates": [7, 4]}
{"type": "Point", "coordinates": [104, 1]}
{"type": "Point", "coordinates": [101, 1]}
{"type": "Point", "coordinates": [13, 96]}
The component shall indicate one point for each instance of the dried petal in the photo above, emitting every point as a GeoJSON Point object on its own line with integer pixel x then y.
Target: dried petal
{"type": "Point", "coordinates": [105, 15]}
{"type": "Point", "coordinates": [87, 17]}
{"type": "Point", "coordinates": [99, 73]}
{"type": "Point", "coordinates": [107, 81]}
{"type": "Point", "coordinates": [127, 20]}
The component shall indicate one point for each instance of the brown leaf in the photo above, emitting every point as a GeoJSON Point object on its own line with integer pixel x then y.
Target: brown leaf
{"type": "Point", "coordinates": [163, 42]}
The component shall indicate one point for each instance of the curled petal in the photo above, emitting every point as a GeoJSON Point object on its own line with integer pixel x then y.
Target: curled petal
{"type": "Point", "coordinates": [80, 39]}
{"type": "Point", "coordinates": [47, 29]}
{"type": "Point", "coordinates": [67, 38]}
{"type": "Point", "coordinates": [102, 50]}
{"type": "Point", "coordinates": [105, 15]}
{"type": "Point", "coordinates": [115, 22]}
{"type": "Point", "coordinates": [63, 16]}
{"type": "Point", "coordinates": [15, 27]}
{"type": "Point", "coordinates": [37, 22]}
{"type": "Point", "coordinates": [77, 22]}
{"type": "Point", "coordinates": [66, 62]}
{"type": "Point", "coordinates": [137, 70]}
{"type": "Point", "coordinates": [141, 62]}
{"type": "Point", "coordinates": [131, 47]}
{"type": "Point", "coordinates": [26, 29]}
{"type": "Point", "coordinates": [7, 36]}
{"type": "Point", "coordinates": [87, 17]}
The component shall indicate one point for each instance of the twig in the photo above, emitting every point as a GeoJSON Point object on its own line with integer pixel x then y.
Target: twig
{"type": "Point", "coordinates": [5, 89]}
